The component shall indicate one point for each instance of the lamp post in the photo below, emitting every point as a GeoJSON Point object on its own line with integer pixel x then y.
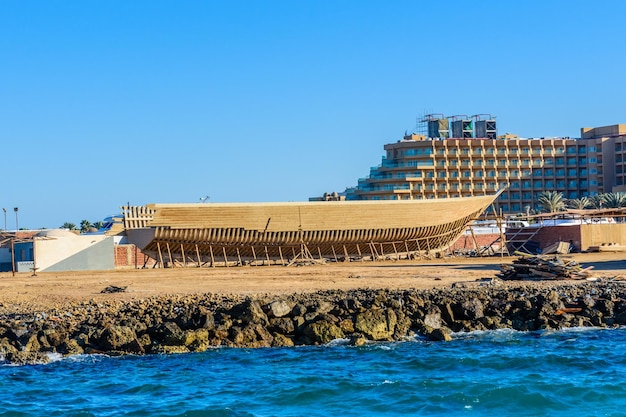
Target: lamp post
{"type": "Point", "coordinates": [5, 218]}
{"type": "Point", "coordinates": [15, 209]}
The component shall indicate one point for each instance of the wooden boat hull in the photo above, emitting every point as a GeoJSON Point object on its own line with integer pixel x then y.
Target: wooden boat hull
{"type": "Point", "coordinates": [281, 232]}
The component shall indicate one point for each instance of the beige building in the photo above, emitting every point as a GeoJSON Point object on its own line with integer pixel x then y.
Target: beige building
{"type": "Point", "coordinates": [418, 167]}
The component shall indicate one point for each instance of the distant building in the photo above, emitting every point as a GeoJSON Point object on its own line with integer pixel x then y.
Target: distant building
{"type": "Point", "coordinates": [469, 164]}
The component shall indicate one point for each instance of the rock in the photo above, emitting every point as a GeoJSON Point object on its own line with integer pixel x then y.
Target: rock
{"type": "Point", "coordinates": [472, 309]}
{"type": "Point", "coordinates": [377, 324]}
{"type": "Point", "coordinates": [346, 326]}
{"type": "Point", "coordinates": [357, 340]}
{"type": "Point", "coordinates": [283, 325]}
{"type": "Point", "coordinates": [433, 319]}
{"type": "Point", "coordinates": [253, 335]}
{"type": "Point", "coordinates": [281, 341]}
{"type": "Point", "coordinates": [172, 334]}
{"type": "Point", "coordinates": [322, 332]}
{"type": "Point", "coordinates": [439, 335]}
{"type": "Point", "coordinates": [278, 309]}
{"type": "Point", "coordinates": [253, 313]}
{"type": "Point", "coordinates": [71, 347]}
{"type": "Point", "coordinates": [118, 338]}
{"type": "Point", "coordinates": [27, 358]}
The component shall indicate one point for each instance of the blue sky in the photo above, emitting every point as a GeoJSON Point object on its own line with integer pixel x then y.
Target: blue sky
{"type": "Point", "coordinates": [109, 102]}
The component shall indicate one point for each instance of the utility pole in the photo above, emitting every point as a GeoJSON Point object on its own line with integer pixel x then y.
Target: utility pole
{"type": "Point", "coordinates": [5, 218]}
{"type": "Point", "coordinates": [15, 209]}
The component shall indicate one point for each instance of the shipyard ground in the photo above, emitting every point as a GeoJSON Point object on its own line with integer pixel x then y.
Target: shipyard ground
{"type": "Point", "coordinates": [51, 290]}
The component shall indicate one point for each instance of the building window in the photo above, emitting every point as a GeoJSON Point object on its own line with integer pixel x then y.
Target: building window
{"type": "Point", "coordinates": [537, 173]}
{"type": "Point", "coordinates": [549, 183]}
{"type": "Point", "coordinates": [491, 173]}
{"type": "Point", "coordinates": [560, 184]}
{"type": "Point", "coordinates": [479, 174]}
{"type": "Point", "coordinates": [571, 172]}
{"type": "Point", "coordinates": [454, 174]}
{"type": "Point", "coordinates": [525, 184]}
{"type": "Point", "coordinates": [549, 161]}
{"type": "Point", "coordinates": [490, 151]}
{"type": "Point", "coordinates": [571, 150]}
{"type": "Point", "coordinates": [441, 174]}
{"type": "Point", "coordinates": [514, 184]}
{"type": "Point", "coordinates": [525, 151]}
{"type": "Point", "coordinates": [466, 174]}
{"type": "Point", "coordinates": [548, 172]}
{"type": "Point", "coordinates": [582, 160]}
{"type": "Point", "coordinates": [537, 184]}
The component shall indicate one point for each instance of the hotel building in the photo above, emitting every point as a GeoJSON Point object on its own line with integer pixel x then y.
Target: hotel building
{"type": "Point", "coordinates": [475, 161]}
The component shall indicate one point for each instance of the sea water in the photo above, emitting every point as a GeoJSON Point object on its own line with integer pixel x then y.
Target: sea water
{"type": "Point", "coordinates": [578, 372]}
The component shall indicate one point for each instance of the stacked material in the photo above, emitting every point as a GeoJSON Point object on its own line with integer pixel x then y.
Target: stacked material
{"type": "Point", "coordinates": [528, 267]}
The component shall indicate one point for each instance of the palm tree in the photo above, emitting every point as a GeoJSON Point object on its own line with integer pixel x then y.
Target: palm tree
{"type": "Point", "coordinates": [97, 225]}
{"type": "Point", "coordinates": [551, 201]}
{"type": "Point", "coordinates": [614, 200]}
{"type": "Point", "coordinates": [579, 203]}
{"type": "Point", "coordinates": [597, 201]}
{"type": "Point", "coordinates": [69, 226]}
{"type": "Point", "coordinates": [85, 225]}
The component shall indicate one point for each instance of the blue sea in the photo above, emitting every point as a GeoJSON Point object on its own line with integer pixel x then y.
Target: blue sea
{"type": "Point", "coordinates": [579, 372]}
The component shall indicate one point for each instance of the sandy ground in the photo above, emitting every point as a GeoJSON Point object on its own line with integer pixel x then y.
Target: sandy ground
{"type": "Point", "coordinates": [49, 290]}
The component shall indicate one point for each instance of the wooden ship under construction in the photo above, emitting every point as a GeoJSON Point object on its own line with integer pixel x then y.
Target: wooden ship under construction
{"type": "Point", "coordinates": [284, 233]}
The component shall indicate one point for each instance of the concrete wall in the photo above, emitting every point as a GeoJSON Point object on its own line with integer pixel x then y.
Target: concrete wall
{"type": "Point", "coordinates": [74, 253]}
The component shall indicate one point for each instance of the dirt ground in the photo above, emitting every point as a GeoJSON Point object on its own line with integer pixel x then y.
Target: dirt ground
{"type": "Point", "coordinates": [52, 289]}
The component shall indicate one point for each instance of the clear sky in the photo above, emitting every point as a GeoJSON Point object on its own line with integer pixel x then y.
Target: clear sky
{"type": "Point", "coordinates": [108, 102]}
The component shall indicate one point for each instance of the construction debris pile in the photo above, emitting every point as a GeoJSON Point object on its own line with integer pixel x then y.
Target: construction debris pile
{"type": "Point", "coordinates": [538, 267]}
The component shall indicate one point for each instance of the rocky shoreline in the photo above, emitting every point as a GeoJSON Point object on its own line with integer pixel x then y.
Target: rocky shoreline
{"type": "Point", "coordinates": [194, 323]}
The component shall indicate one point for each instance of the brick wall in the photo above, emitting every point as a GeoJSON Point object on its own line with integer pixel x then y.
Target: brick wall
{"type": "Point", "coordinates": [129, 256]}
{"type": "Point", "coordinates": [467, 242]}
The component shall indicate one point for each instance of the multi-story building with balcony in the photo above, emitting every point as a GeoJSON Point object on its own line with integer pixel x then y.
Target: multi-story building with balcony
{"type": "Point", "coordinates": [420, 167]}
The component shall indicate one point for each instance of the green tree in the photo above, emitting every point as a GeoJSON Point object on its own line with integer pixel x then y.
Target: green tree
{"type": "Point", "coordinates": [579, 203]}
{"type": "Point", "coordinates": [69, 226]}
{"type": "Point", "coordinates": [551, 201]}
{"type": "Point", "coordinates": [614, 200]}
{"type": "Point", "coordinates": [85, 225]}
{"type": "Point", "coordinates": [98, 225]}
{"type": "Point", "coordinates": [597, 201]}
